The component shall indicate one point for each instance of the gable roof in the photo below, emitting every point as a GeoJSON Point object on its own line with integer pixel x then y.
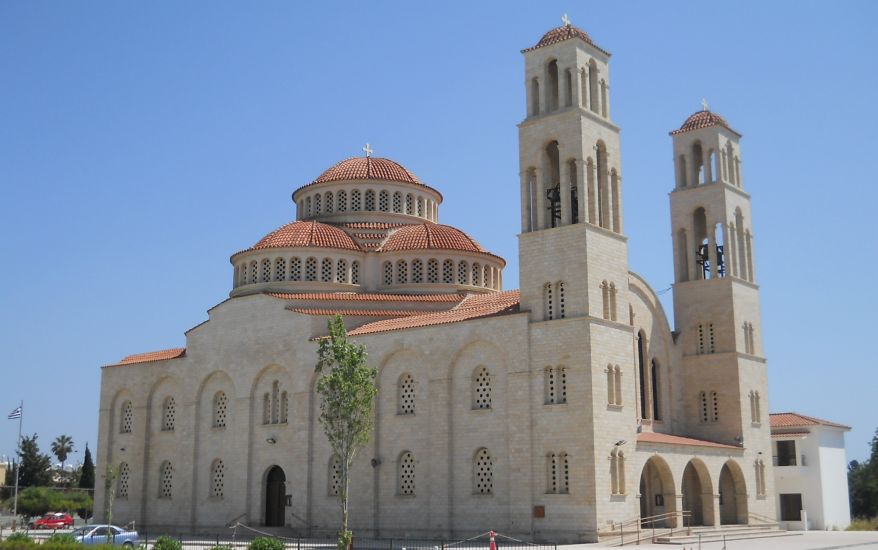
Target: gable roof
{"type": "Point", "coordinates": [149, 356]}
{"type": "Point", "coordinates": [796, 420]}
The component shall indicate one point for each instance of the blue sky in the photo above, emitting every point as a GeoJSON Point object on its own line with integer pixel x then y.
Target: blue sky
{"type": "Point", "coordinates": [141, 144]}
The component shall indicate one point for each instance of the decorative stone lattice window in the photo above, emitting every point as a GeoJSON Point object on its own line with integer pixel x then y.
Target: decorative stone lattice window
{"type": "Point", "coordinates": [126, 422]}
{"type": "Point", "coordinates": [280, 269]}
{"type": "Point", "coordinates": [409, 204]}
{"type": "Point", "coordinates": [220, 409]}
{"type": "Point", "coordinates": [266, 270]}
{"type": "Point", "coordinates": [334, 476]}
{"type": "Point", "coordinates": [549, 301]}
{"type": "Point", "coordinates": [266, 408]}
{"type": "Point", "coordinates": [462, 272]}
{"type": "Point", "coordinates": [317, 203]}
{"type": "Point", "coordinates": [486, 275]}
{"type": "Point", "coordinates": [169, 414]}
{"type": "Point", "coordinates": [551, 473]}
{"type": "Point", "coordinates": [402, 270]}
{"type": "Point", "coordinates": [329, 202]}
{"type": "Point", "coordinates": [432, 271]}
{"type": "Point", "coordinates": [342, 201]}
{"type": "Point", "coordinates": [370, 200]}
{"type": "Point", "coordinates": [406, 475]}
{"type": "Point", "coordinates": [481, 388]}
{"type": "Point", "coordinates": [166, 480]}
{"type": "Point", "coordinates": [711, 348]}
{"type": "Point", "coordinates": [355, 272]}
{"type": "Point", "coordinates": [702, 398]}
{"type": "Point", "coordinates": [483, 473]}
{"type": "Point", "coordinates": [284, 407]}
{"type": "Point", "coordinates": [701, 339]}
{"type": "Point", "coordinates": [311, 269]}
{"type": "Point", "coordinates": [477, 274]}
{"type": "Point", "coordinates": [397, 202]}
{"type": "Point", "coordinates": [341, 272]}
{"type": "Point", "coordinates": [124, 481]}
{"type": "Point", "coordinates": [562, 306]}
{"type": "Point", "coordinates": [295, 269]}
{"type": "Point", "coordinates": [254, 272]}
{"type": "Point", "coordinates": [563, 474]}
{"type": "Point", "coordinates": [557, 473]}
{"type": "Point", "coordinates": [406, 394]}
{"type": "Point", "coordinates": [556, 385]}
{"type": "Point", "coordinates": [355, 200]}
{"type": "Point", "coordinates": [217, 479]}
{"type": "Point", "coordinates": [326, 270]}
{"type": "Point", "coordinates": [714, 411]}
{"type": "Point", "coordinates": [382, 201]}
{"type": "Point", "coordinates": [388, 273]}
{"type": "Point", "coordinates": [448, 272]}
{"type": "Point", "coordinates": [308, 206]}
{"type": "Point", "coordinates": [417, 271]}
{"type": "Point", "coordinates": [421, 207]}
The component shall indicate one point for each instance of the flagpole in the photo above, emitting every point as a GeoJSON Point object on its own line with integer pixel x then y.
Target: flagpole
{"type": "Point", "coordinates": [17, 467]}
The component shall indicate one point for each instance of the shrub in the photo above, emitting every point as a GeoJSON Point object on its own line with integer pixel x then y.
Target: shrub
{"type": "Point", "coordinates": [60, 539]}
{"type": "Point", "coordinates": [864, 524]}
{"type": "Point", "coordinates": [222, 547]}
{"type": "Point", "coordinates": [167, 543]}
{"type": "Point", "coordinates": [266, 543]}
{"type": "Point", "coordinates": [18, 536]}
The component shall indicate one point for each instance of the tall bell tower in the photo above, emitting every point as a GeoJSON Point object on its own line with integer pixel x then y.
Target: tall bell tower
{"type": "Point", "coordinates": [716, 298]}
{"type": "Point", "coordinates": [571, 240]}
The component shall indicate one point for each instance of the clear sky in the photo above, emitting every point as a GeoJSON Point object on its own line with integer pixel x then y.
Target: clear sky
{"type": "Point", "coordinates": [142, 143]}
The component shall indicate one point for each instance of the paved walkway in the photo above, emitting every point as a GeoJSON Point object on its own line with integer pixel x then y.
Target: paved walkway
{"type": "Point", "coordinates": [812, 540]}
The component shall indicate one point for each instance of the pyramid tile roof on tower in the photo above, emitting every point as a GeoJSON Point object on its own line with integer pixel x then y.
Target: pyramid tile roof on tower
{"type": "Point", "coordinates": [562, 33]}
{"type": "Point", "coordinates": [703, 119]}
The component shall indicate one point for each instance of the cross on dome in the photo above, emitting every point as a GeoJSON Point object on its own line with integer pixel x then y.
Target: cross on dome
{"type": "Point", "coordinates": [368, 150]}
{"type": "Point", "coordinates": [565, 20]}
{"type": "Point", "coordinates": [703, 104]}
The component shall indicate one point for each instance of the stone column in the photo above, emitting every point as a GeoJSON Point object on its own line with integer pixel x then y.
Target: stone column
{"type": "Point", "coordinates": [540, 200]}
{"type": "Point", "coordinates": [564, 192]}
{"type": "Point", "coordinates": [581, 190]}
{"type": "Point", "coordinates": [525, 202]}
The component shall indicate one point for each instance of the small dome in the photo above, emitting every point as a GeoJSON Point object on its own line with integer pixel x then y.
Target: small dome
{"type": "Point", "coordinates": [562, 33]}
{"type": "Point", "coordinates": [431, 236]}
{"type": "Point", "coordinates": [303, 234]}
{"type": "Point", "coordinates": [702, 119]}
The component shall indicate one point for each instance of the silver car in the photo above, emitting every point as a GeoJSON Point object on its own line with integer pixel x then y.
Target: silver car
{"type": "Point", "coordinates": [105, 534]}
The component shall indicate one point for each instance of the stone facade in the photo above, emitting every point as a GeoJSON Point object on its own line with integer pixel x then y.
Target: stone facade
{"type": "Point", "coordinates": [552, 412]}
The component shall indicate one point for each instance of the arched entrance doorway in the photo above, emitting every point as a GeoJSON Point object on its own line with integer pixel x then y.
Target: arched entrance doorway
{"type": "Point", "coordinates": [275, 496]}
{"type": "Point", "coordinates": [657, 494]}
{"type": "Point", "coordinates": [698, 493]}
{"type": "Point", "coordinates": [732, 494]}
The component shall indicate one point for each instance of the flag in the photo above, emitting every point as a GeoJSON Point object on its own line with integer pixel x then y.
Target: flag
{"type": "Point", "coordinates": [15, 414]}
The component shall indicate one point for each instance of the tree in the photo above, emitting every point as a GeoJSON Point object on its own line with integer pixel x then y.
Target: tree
{"type": "Point", "coordinates": [35, 467]}
{"type": "Point", "coordinates": [62, 447]}
{"type": "Point", "coordinates": [863, 484]}
{"type": "Point", "coordinates": [347, 390]}
{"type": "Point", "coordinates": [110, 477]}
{"type": "Point", "coordinates": [87, 476]}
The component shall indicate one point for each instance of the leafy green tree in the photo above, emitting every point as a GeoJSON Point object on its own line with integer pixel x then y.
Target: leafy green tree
{"type": "Point", "coordinates": [347, 391]}
{"type": "Point", "coordinates": [110, 477]}
{"type": "Point", "coordinates": [62, 447]}
{"type": "Point", "coordinates": [87, 476]}
{"type": "Point", "coordinates": [863, 484]}
{"type": "Point", "coordinates": [35, 467]}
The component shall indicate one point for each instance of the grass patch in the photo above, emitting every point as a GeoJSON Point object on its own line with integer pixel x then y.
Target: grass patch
{"type": "Point", "coordinates": [864, 524]}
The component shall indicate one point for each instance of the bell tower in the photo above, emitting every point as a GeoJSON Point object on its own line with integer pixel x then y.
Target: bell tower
{"type": "Point", "coordinates": [571, 244]}
{"type": "Point", "coordinates": [716, 298]}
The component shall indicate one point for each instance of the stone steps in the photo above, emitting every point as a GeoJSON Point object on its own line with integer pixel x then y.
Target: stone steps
{"type": "Point", "coordinates": [738, 532]}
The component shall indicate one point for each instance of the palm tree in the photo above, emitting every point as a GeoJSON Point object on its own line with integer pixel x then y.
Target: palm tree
{"type": "Point", "coordinates": [62, 447]}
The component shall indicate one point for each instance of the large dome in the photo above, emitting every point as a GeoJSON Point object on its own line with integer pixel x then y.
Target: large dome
{"type": "Point", "coordinates": [375, 169]}
{"type": "Point", "coordinates": [307, 234]}
{"type": "Point", "coordinates": [702, 119]}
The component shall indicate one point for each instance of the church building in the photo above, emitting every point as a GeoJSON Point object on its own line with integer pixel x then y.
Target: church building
{"type": "Point", "coordinates": [552, 412]}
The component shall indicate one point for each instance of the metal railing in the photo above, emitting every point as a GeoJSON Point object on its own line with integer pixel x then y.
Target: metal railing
{"type": "Point", "coordinates": [648, 528]}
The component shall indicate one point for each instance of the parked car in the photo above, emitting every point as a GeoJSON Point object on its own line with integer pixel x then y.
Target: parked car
{"type": "Point", "coordinates": [105, 534]}
{"type": "Point", "coordinates": [52, 520]}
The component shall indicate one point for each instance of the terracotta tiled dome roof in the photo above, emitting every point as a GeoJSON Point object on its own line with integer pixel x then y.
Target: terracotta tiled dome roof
{"type": "Point", "coordinates": [562, 33]}
{"type": "Point", "coordinates": [368, 168]}
{"type": "Point", "coordinates": [431, 236]}
{"type": "Point", "coordinates": [304, 234]}
{"type": "Point", "coordinates": [702, 119]}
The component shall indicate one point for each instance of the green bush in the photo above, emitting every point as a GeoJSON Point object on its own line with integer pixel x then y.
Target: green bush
{"type": "Point", "coordinates": [167, 543]}
{"type": "Point", "coordinates": [222, 547]}
{"type": "Point", "coordinates": [18, 536]}
{"type": "Point", "coordinates": [60, 538]}
{"type": "Point", "coordinates": [864, 524]}
{"type": "Point", "coordinates": [266, 543]}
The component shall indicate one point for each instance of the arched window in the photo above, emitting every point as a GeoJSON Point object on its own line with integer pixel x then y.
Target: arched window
{"type": "Point", "coordinates": [397, 202]}
{"type": "Point", "coordinates": [697, 164]}
{"type": "Point", "coordinates": [681, 171]}
{"type": "Point", "coordinates": [591, 191]}
{"type": "Point", "coordinates": [409, 204]}
{"type": "Point", "coordinates": [485, 276]}
{"type": "Point", "coordinates": [406, 474]}
{"type": "Point", "coordinates": [574, 193]}
{"type": "Point", "coordinates": [462, 273]}
{"type": "Point", "coordinates": [275, 405]}
{"type": "Point", "coordinates": [334, 476]}
{"type": "Point", "coordinates": [342, 201]}
{"type": "Point", "coordinates": [370, 200]}
{"type": "Point", "coordinates": [605, 105]}
{"type": "Point", "coordinates": [280, 269]}
{"type": "Point", "coordinates": [236, 278]}
{"type": "Point", "coordinates": [603, 190]}
{"type": "Point", "coordinates": [682, 256]}
{"type": "Point", "coordinates": [266, 408]}
{"type": "Point", "coordinates": [388, 273]}
{"type": "Point", "coordinates": [284, 407]}
{"type": "Point", "coordinates": [654, 381]}
{"type": "Point", "coordinates": [534, 97]}
{"type": "Point", "coordinates": [420, 206]}
{"type": "Point", "coordinates": [356, 204]}
{"type": "Point", "coordinates": [432, 271]}
{"type": "Point", "coordinates": [448, 272]}
{"type": "Point", "coordinates": [702, 256]}
{"type": "Point", "coordinates": [617, 471]}
{"type": "Point", "coordinates": [711, 165]}
{"type": "Point", "coordinates": [568, 88]}
{"type": "Point", "coordinates": [417, 271]}
{"type": "Point", "coordinates": [326, 270]}
{"type": "Point", "coordinates": [642, 369]}
{"type": "Point", "coordinates": [737, 172]}
{"type": "Point", "coordinates": [481, 388]}
{"type": "Point", "coordinates": [124, 480]}
{"type": "Point", "coordinates": [549, 301]}
{"type": "Point", "coordinates": [166, 480]}
{"type": "Point", "coordinates": [382, 201]}
{"type": "Point", "coordinates": [605, 298]}
{"type": "Point", "coordinates": [760, 477]}
{"type": "Point", "coordinates": [563, 474]}
{"type": "Point", "coordinates": [553, 184]}
{"type": "Point", "coordinates": [552, 74]}
{"type": "Point", "coordinates": [614, 198]}
{"type": "Point", "coordinates": [311, 269]}
{"type": "Point", "coordinates": [483, 473]}
{"type": "Point", "coordinates": [593, 86]}
{"type": "Point", "coordinates": [611, 385]}
{"type": "Point", "coordinates": [613, 301]}
{"type": "Point", "coordinates": [217, 479]}
{"type": "Point", "coordinates": [402, 274]}
{"type": "Point", "coordinates": [317, 203]}
{"type": "Point", "coordinates": [295, 269]}
{"type": "Point", "coordinates": [551, 473]}
{"type": "Point", "coordinates": [308, 207]}
{"type": "Point", "coordinates": [341, 272]}
{"type": "Point", "coordinates": [126, 422]}
{"type": "Point", "coordinates": [329, 201]}
{"type": "Point", "coordinates": [266, 270]}
{"type": "Point", "coordinates": [220, 409]}
{"type": "Point", "coordinates": [355, 272]}
{"type": "Point", "coordinates": [169, 414]}
{"type": "Point", "coordinates": [405, 391]}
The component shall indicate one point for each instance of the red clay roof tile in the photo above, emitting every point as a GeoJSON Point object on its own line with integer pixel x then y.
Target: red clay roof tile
{"type": "Point", "coordinates": [562, 33]}
{"type": "Point", "coordinates": [302, 234]}
{"type": "Point", "coordinates": [702, 119]}
{"type": "Point", "coordinates": [796, 420]}
{"type": "Point", "coordinates": [431, 236]}
{"type": "Point", "coordinates": [355, 312]}
{"type": "Point", "coordinates": [368, 297]}
{"type": "Point", "coordinates": [368, 169]}
{"type": "Point", "coordinates": [668, 439]}
{"type": "Point", "coordinates": [160, 355]}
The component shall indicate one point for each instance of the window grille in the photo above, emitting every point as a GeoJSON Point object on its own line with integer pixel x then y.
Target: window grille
{"type": "Point", "coordinates": [406, 474]}
{"type": "Point", "coordinates": [334, 476]}
{"type": "Point", "coordinates": [382, 201]}
{"type": "Point", "coordinates": [341, 272]}
{"type": "Point", "coordinates": [406, 397]}
{"type": "Point", "coordinates": [483, 473]}
{"type": "Point", "coordinates": [124, 480]}
{"type": "Point", "coordinates": [477, 271]}
{"type": "Point", "coordinates": [127, 422]}
{"type": "Point", "coordinates": [561, 300]}
{"type": "Point", "coordinates": [284, 407]}
{"type": "Point", "coordinates": [551, 473]}
{"type": "Point", "coordinates": [402, 272]}
{"type": "Point", "coordinates": [563, 474]}
{"type": "Point", "coordinates": [311, 269]}
{"type": "Point", "coordinates": [397, 202]}
{"type": "Point", "coordinates": [217, 479]}
{"type": "Point", "coordinates": [295, 269]}
{"type": "Point", "coordinates": [448, 272]}
{"type": "Point", "coordinates": [388, 273]}
{"type": "Point", "coordinates": [370, 200]}
{"type": "Point", "coordinates": [166, 480]}
{"type": "Point", "coordinates": [328, 202]}
{"type": "Point", "coordinates": [417, 271]}
{"type": "Point", "coordinates": [432, 271]}
{"type": "Point", "coordinates": [326, 270]}
{"type": "Point", "coordinates": [317, 203]}
{"type": "Point", "coordinates": [342, 201]}
{"type": "Point", "coordinates": [169, 415]}
{"type": "Point", "coordinates": [462, 271]}
{"type": "Point", "coordinates": [355, 200]}
{"type": "Point", "coordinates": [280, 269]}
{"type": "Point", "coordinates": [409, 207]}
{"type": "Point", "coordinates": [482, 389]}
{"type": "Point", "coordinates": [220, 409]}
{"type": "Point", "coordinates": [254, 272]}
{"type": "Point", "coordinates": [355, 273]}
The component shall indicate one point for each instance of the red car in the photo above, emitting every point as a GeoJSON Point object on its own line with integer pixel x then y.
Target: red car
{"type": "Point", "coordinates": [53, 520]}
